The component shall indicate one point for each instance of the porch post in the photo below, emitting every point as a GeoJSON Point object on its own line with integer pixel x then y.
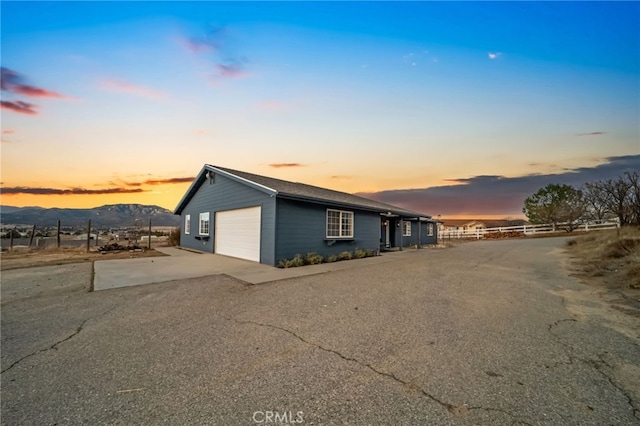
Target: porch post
{"type": "Point", "coordinates": [401, 232]}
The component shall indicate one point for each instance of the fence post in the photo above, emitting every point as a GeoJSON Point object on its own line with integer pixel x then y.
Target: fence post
{"type": "Point", "coordinates": [11, 239]}
{"type": "Point", "coordinates": [58, 235]}
{"type": "Point", "coordinates": [33, 233]}
{"type": "Point", "coordinates": [88, 236]}
{"type": "Point", "coordinates": [149, 243]}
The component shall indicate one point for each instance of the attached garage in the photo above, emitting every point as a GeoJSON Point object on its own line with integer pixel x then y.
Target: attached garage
{"type": "Point", "coordinates": [237, 233]}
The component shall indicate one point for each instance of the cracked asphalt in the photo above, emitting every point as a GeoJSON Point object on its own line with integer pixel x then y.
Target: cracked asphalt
{"type": "Point", "coordinates": [474, 334]}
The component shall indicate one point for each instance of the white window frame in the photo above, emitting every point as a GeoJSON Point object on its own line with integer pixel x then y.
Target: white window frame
{"type": "Point", "coordinates": [187, 224]}
{"type": "Point", "coordinates": [430, 229]}
{"type": "Point", "coordinates": [406, 228]}
{"type": "Point", "coordinates": [342, 217]}
{"type": "Point", "coordinates": [204, 222]}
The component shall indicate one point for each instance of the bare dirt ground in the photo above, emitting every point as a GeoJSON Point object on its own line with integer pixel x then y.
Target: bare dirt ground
{"type": "Point", "coordinates": [25, 258]}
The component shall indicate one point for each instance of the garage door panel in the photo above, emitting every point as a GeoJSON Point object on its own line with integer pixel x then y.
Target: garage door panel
{"type": "Point", "coordinates": [237, 233]}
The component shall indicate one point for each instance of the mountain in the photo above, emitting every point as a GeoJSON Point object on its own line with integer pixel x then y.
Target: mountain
{"type": "Point", "coordinates": [113, 215]}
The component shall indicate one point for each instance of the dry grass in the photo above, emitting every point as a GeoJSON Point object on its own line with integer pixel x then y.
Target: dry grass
{"type": "Point", "coordinates": [28, 258]}
{"type": "Point", "coordinates": [613, 256]}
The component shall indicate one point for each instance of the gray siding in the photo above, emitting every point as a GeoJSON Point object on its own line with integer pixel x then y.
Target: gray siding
{"type": "Point", "coordinates": [226, 194]}
{"type": "Point", "coordinates": [301, 228]}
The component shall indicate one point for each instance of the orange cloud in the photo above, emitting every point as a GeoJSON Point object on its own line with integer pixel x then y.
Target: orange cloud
{"type": "Point", "coordinates": [70, 191]}
{"type": "Point", "coordinates": [168, 181]}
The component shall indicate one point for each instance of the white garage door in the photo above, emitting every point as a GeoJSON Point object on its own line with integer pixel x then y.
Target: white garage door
{"type": "Point", "coordinates": [237, 233]}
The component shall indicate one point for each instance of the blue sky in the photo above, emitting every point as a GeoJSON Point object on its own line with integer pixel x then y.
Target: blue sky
{"type": "Point", "coordinates": [374, 98]}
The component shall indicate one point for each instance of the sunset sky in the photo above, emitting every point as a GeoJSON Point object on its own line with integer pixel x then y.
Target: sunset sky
{"type": "Point", "coordinates": [458, 109]}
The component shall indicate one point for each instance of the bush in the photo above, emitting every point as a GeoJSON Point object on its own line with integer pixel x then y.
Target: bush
{"type": "Point", "coordinates": [298, 260]}
{"type": "Point", "coordinates": [345, 255]}
{"type": "Point", "coordinates": [331, 259]}
{"type": "Point", "coordinates": [313, 259]}
{"type": "Point", "coordinates": [359, 254]}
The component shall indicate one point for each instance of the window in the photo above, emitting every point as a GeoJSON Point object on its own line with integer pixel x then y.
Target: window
{"type": "Point", "coordinates": [430, 229]}
{"type": "Point", "coordinates": [187, 224]}
{"type": "Point", "coordinates": [406, 231]}
{"type": "Point", "coordinates": [204, 223]}
{"type": "Point", "coordinates": [339, 224]}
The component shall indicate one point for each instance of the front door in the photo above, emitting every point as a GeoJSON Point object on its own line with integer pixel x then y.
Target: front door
{"type": "Point", "coordinates": [386, 233]}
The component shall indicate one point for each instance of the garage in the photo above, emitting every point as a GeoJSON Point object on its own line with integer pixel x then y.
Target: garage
{"type": "Point", "coordinates": [237, 233]}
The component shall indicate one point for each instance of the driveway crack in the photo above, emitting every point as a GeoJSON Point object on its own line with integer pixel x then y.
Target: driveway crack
{"type": "Point", "coordinates": [59, 342]}
{"type": "Point", "coordinates": [595, 364]}
{"type": "Point", "coordinates": [455, 409]}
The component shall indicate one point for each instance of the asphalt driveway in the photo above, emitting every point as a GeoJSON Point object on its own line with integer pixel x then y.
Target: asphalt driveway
{"type": "Point", "coordinates": [475, 334]}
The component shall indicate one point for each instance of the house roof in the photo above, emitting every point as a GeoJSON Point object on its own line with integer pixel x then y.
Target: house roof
{"type": "Point", "coordinates": [295, 190]}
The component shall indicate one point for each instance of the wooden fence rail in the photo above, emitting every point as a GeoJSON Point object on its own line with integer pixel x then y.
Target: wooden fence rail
{"type": "Point", "coordinates": [523, 230]}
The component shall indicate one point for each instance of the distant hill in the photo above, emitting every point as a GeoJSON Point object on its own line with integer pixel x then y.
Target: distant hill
{"type": "Point", "coordinates": [112, 215]}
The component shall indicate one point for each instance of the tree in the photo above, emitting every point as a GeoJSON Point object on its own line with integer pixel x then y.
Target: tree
{"type": "Point", "coordinates": [596, 199]}
{"type": "Point", "coordinates": [555, 204]}
{"type": "Point", "coordinates": [620, 193]}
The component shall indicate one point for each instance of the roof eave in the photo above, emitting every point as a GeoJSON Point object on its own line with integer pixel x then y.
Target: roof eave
{"type": "Point", "coordinates": [200, 178]}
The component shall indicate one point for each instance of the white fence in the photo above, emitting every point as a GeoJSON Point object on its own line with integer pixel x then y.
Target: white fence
{"type": "Point", "coordinates": [522, 230]}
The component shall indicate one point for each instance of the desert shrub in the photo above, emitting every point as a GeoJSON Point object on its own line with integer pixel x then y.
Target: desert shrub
{"type": "Point", "coordinates": [359, 254]}
{"type": "Point", "coordinates": [332, 258]}
{"type": "Point", "coordinates": [622, 247]}
{"type": "Point", "coordinates": [313, 259]}
{"type": "Point", "coordinates": [345, 255]}
{"type": "Point", "coordinates": [369, 253]}
{"type": "Point", "coordinates": [174, 237]}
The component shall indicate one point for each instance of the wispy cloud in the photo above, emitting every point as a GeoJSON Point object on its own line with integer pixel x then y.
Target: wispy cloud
{"type": "Point", "coordinates": [13, 82]}
{"type": "Point", "coordinates": [212, 40]}
{"type": "Point", "coordinates": [285, 165]}
{"type": "Point", "coordinates": [341, 177]}
{"type": "Point", "coordinates": [168, 181]}
{"type": "Point", "coordinates": [494, 55]}
{"type": "Point", "coordinates": [19, 107]}
{"type": "Point", "coordinates": [14, 190]}
{"type": "Point", "coordinates": [215, 45]}
{"type": "Point", "coordinates": [130, 88]}
{"type": "Point", "coordinates": [8, 131]}
{"type": "Point", "coordinates": [591, 134]}
{"type": "Point", "coordinates": [271, 105]}
{"type": "Point", "coordinates": [236, 70]}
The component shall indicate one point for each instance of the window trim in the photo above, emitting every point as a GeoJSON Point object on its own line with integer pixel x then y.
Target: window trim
{"type": "Point", "coordinates": [430, 228]}
{"type": "Point", "coordinates": [342, 215]}
{"type": "Point", "coordinates": [202, 220]}
{"type": "Point", "coordinates": [187, 224]}
{"type": "Point", "coordinates": [406, 228]}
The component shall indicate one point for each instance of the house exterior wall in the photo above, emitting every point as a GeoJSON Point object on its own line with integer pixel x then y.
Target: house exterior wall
{"type": "Point", "coordinates": [301, 229]}
{"type": "Point", "coordinates": [412, 240]}
{"type": "Point", "coordinates": [227, 194]}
